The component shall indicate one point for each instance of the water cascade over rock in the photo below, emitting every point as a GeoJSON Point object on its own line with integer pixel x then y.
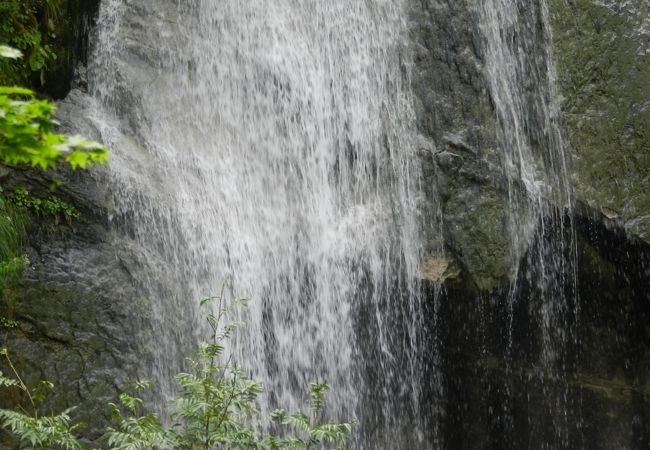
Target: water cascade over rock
{"type": "Point", "coordinates": [268, 147]}
{"type": "Point", "coordinates": [387, 182]}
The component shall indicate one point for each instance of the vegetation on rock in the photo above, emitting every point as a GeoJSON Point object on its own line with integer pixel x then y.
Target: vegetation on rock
{"type": "Point", "coordinates": [216, 408]}
{"type": "Point", "coordinates": [603, 75]}
{"type": "Point", "coordinates": [12, 230]}
{"type": "Point", "coordinates": [27, 123]}
{"type": "Point", "coordinates": [27, 137]}
{"type": "Point", "coordinates": [28, 26]}
{"type": "Point", "coordinates": [47, 33]}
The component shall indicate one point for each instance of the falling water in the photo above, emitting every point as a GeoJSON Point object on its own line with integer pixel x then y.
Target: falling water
{"type": "Point", "coordinates": [521, 76]}
{"type": "Point", "coordinates": [266, 146]}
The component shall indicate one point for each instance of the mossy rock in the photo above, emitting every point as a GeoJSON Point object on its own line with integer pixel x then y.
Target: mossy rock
{"type": "Point", "coordinates": [53, 36]}
{"type": "Point", "coordinates": [603, 60]}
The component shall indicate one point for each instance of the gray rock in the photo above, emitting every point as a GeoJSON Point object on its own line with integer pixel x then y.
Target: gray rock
{"type": "Point", "coordinates": [603, 62]}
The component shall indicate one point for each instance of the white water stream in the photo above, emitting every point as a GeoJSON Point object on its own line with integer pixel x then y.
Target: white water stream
{"type": "Point", "coordinates": [266, 145]}
{"type": "Point", "coordinates": [521, 74]}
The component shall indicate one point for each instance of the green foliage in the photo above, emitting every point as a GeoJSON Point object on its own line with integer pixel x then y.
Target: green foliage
{"type": "Point", "coordinates": [12, 231]}
{"type": "Point", "coordinates": [311, 432]}
{"type": "Point", "coordinates": [28, 25]}
{"type": "Point", "coordinates": [51, 206]}
{"type": "Point", "coordinates": [216, 408]}
{"type": "Point", "coordinates": [43, 433]}
{"type": "Point", "coordinates": [11, 268]}
{"type": "Point", "coordinates": [50, 432]}
{"type": "Point", "coordinates": [8, 323]}
{"type": "Point", "coordinates": [26, 137]}
{"type": "Point", "coordinates": [13, 210]}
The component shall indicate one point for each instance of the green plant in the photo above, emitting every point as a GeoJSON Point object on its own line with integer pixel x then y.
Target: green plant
{"type": "Point", "coordinates": [8, 323]}
{"type": "Point", "coordinates": [28, 25]}
{"type": "Point", "coordinates": [34, 431]}
{"type": "Point", "coordinates": [27, 137]}
{"type": "Point", "coordinates": [11, 268]}
{"type": "Point", "coordinates": [216, 409]}
{"type": "Point", "coordinates": [13, 210]}
{"type": "Point", "coordinates": [51, 206]}
{"type": "Point", "coordinates": [12, 231]}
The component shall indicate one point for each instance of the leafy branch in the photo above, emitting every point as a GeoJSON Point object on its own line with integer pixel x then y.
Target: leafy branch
{"type": "Point", "coordinates": [35, 431]}
{"type": "Point", "coordinates": [27, 136]}
{"type": "Point", "coordinates": [216, 409]}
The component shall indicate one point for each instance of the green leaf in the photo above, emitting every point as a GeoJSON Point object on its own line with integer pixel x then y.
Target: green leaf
{"type": "Point", "coordinates": [206, 300]}
{"type": "Point", "coordinates": [10, 52]}
{"type": "Point", "coordinates": [7, 382]}
{"type": "Point", "coordinates": [26, 135]}
{"type": "Point", "coordinates": [15, 90]}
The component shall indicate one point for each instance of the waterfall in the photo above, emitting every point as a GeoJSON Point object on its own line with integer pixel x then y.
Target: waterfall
{"type": "Point", "coordinates": [266, 146]}
{"type": "Point", "coordinates": [269, 148]}
{"type": "Point", "coordinates": [521, 76]}
{"type": "Point", "coordinates": [520, 73]}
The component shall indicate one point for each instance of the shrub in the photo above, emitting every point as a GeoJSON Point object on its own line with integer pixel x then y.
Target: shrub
{"type": "Point", "coordinates": [216, 409]}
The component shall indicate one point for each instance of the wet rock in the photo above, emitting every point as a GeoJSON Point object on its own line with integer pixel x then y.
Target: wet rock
{"type": "Point", "coordinates": [455, 115]}
{"type": "Point", "coordinates": [81, 322]}
{"type": "Point", "coordinates": [603, 76]}
{"type": "Point", "coordinates": [503, 389]}
{"type": "Point", "coordinates": [438, 269]}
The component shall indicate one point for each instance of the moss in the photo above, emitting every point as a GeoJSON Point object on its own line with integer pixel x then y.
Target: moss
{"type": "Point", "coordinates": [482, 246]}
{"type": "Point", "coordinates": [51, 35]}
{"type": "Point", "coordinates": [604, 74]}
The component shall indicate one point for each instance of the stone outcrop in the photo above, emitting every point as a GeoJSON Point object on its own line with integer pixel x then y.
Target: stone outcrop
{"type": "Point", "coordinates": [77, 316]}
{"type": "Point", "coordinates": [591, 393]}
{"type": "Point", "coordinates": [459, 145]}
{"type": "Point", "coordinates": [602, 50]}
{"type": "Point", "coordinates": [602, 56]}
{"type": "Point", "coordinates": [499, 342]}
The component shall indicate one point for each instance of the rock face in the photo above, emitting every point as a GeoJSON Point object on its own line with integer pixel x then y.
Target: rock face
{"type": "Point", "coordinates": [86, 309]}
{"type": "Point", "coordinates": [603, 59]}
{"type": "Point", "coordinates": [497, 391]}
{"type": "Point", "coordinates": [459, 137]}
{"type": "Point", "coordinates": [71, 44]}
{"type": "Point", "coordinates": [77, 307]}
{"type": "Point", "coordinates": [83, 320]}
{"type": "Point", "coordinates": [603, 62]}
{"type": "Point", "coordinates": [490, 142]}
{"type": "Point", "coordinates": [521, 368]}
